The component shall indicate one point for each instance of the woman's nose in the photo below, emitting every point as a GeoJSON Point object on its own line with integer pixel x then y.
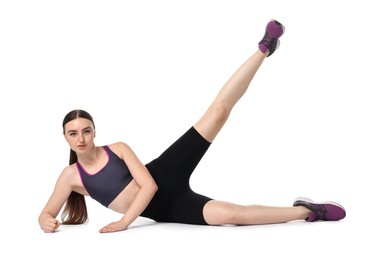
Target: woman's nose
{"type": "Point", "coordinates": [81, 139]}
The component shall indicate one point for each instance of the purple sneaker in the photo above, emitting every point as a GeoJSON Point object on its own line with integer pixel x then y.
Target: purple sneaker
{"type": "Point", "coordinates": [327, 211]}
{"type": "Point", "coordinates": [270, 40]}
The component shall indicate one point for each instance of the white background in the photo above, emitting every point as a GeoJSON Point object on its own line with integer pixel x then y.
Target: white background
{"type": "Point", "coordinates": [146, 70]}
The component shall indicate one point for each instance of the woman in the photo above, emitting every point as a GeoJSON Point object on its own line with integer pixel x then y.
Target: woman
{"type": "Point", "coordinates": [159, 190]}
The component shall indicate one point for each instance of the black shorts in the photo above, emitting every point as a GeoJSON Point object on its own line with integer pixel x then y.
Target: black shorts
{"type": "Point", "coordinates": [175, 201]}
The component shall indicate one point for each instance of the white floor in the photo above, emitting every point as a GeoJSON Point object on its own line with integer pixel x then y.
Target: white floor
{"type": "Point", "coordinates": [297, 240]}
{"type": "Point", "coordinates": [346, 239]}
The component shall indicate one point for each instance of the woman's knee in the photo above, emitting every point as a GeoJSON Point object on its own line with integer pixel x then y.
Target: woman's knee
{"type": "Point", "coordinates": [220, 111]}
{"type": "Point", "coordinates": [220, 213]}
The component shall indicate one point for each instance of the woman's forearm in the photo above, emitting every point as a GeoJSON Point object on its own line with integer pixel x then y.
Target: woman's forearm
{"type": "Point", "coordinates": [143, 198]}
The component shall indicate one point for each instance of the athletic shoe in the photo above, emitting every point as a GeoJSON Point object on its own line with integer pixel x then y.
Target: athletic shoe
{"type": "Point", "coordinates": [321, 211]}
{"type": "Point", "coordinates": [270, 41]}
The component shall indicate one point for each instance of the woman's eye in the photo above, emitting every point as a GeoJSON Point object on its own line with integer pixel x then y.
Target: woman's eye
{"type": "Point", "coordinates": [87, 131]}
{"type": "Point", "coordinates": [73, 134]}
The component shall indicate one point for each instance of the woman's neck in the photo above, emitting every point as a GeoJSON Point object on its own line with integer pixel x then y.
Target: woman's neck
{"type": "Point", "coordinates": [90, 157]}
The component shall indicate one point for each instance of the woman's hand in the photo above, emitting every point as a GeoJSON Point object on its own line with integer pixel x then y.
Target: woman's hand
{"type": "Point", "coordinates": [49, 225]}
{"type": "Point", "coordinates": [114, 227]}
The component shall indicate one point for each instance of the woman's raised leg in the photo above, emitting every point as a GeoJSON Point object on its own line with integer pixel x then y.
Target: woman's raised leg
{"type": "Point", "coordinates": [220, 212]}
{"type": "Point", "coordinates": [218, 112]}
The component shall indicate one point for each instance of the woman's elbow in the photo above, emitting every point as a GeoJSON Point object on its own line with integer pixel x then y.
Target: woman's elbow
{"type": "Point", "coordinates": [153, 187]}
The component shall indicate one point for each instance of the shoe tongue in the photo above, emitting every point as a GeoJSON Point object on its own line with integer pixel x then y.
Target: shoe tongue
{"type": "Point", "coordinates": [311, 217]}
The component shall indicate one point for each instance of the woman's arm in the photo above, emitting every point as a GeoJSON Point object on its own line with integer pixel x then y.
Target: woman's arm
{"type": "Point", "coordinates": [47, 219]}
{"type": "Point", "coordinates": [147, 185]}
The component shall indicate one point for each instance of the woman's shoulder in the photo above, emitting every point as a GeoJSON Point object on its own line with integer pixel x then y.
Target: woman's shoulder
{"type": "Point", "coordinates": [70, 180]}
{"type": "Point", "coordinates": [69, 171]}
{"type": "Point", "coordinates": [119, 148]}
{"type": "Point", "coordinates": [117, 144]}
{"type": "Point", "coordinates": [70, 168]}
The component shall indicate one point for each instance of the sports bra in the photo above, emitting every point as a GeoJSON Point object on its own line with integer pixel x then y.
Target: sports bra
{"type": "Point", "coordinates": [105, 185]}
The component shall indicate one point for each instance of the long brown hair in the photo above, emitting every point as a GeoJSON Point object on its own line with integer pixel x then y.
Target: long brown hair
{"type": "Point", "coordinates": [75, 210]}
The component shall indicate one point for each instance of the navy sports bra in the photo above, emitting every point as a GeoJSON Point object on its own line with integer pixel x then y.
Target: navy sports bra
{"type": "Point", "coordinates": [105, 185]}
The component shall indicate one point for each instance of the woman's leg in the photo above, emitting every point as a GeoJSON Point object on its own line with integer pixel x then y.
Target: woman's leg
{"type": "Point", "coordinates": [217, 114]}
{"type": "Point", "coordinates": [220, 213]}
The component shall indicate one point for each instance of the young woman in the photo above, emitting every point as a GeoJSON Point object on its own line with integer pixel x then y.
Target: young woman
{"type": "Point", "coordinates": [159, 190]}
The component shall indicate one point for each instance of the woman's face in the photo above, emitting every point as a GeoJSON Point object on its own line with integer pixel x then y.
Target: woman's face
{"type": "Point", "coordinates": [79, 133]}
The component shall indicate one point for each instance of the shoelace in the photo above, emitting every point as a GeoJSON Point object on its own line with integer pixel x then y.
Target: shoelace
{"type": "Point", "coordinates": [267, 41]}
{"type": "Point", "coordinates": [319, 211]}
